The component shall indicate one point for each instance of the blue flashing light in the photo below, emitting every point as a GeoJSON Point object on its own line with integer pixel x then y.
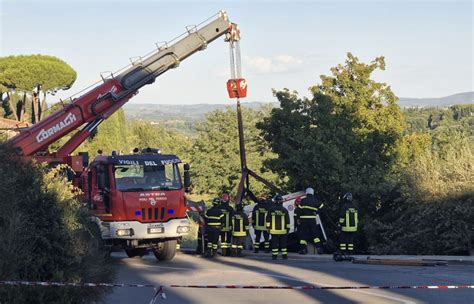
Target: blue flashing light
{"type": "Point", "coordinates": [138, 212]}
{"type": "Point", "coordinates": [170, 211]}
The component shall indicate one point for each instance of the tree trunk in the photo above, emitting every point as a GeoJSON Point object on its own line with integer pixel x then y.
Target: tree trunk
{"type": "Point", "coordinates": [35, 107]}
{"type": "Point", "coordinates": [44, 106]}
{"type": "Point", "coordinates": [12, 108]}
{"type": "Point", "coordinates": [20, 107]}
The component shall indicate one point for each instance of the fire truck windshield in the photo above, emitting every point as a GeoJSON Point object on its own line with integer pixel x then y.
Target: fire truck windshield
{"type": "Point", "coordinates": [142, 177]}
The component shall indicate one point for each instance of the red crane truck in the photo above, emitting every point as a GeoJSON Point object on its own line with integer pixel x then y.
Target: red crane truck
{"type": "Point", "coordinates": [137, 200]}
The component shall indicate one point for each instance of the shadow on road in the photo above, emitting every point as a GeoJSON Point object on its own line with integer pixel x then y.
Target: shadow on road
{"type": "Point", "coordinates": [325, 296]}
{"type": "Point", "coordinates": [358, 275]}
{"type": "Point", "coordinates": [147, 266]}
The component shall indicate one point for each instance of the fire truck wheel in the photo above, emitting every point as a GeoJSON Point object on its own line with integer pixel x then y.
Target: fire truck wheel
{"type": "Point", "coordinates": [165, 252]}
{"type": "Point", "coordinates": [135, 252]}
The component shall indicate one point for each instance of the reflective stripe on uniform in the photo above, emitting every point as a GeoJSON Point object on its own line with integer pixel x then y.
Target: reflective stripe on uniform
{"type": "Point", "coordinates": [238, 226]}
{"type": "Point", "coordinates": [351, 220]}
{"type": "Point", "coordinates": [308, 207]}
{"type": "Point", "coordinates": [214, 217]}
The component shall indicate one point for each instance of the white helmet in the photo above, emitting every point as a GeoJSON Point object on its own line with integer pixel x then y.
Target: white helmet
{"type": "Point", "coordinates": [309, 190]}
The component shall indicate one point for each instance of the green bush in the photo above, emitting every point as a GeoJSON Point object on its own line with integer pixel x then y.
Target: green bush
{"type": "Point", "coordinates": [443, 227]}
{"type": "Point", "coordinates": [46, 234]}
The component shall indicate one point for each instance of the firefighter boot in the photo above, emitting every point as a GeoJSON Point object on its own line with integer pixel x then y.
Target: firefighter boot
{"type": "Point", "coordinates": [304, 250]}
{"type": "Point", "coordinates": [208, 253]}
{"type": "Point", "coordinates": [224, 251]}
{"type": "Point", "coordinates": [234, 252]}
{"type": "Point", "coordinates": [239, 252]}
{"type": "Point", "coordinates": [267, 248]}
{"type": "Point", "coordinates": [284, 256]}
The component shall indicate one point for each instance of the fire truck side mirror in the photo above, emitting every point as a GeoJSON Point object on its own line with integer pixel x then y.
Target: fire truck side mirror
{"type": "Point", "coordinates": [100, 178]}
{"type": "Point", "coordinates": [85, 158]}
{"type": "Point", "coordinates": [187, 178]}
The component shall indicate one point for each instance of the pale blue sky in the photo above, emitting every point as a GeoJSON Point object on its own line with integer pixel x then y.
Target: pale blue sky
{"type": "Point", "coordinates": [428, 45]}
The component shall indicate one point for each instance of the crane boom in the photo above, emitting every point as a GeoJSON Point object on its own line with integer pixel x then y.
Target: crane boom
{"type": "Point", "coordinates": [91, 108]}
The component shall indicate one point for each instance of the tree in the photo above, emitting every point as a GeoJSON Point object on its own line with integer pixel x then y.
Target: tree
{"type": "Point", "coordinates": [342, 139]}
{"type": "Point", "coordinates": [435, 195]}
{"type": "Point", "coordinates": [46, 234]}
{"type": "Point", "coordinates": [147, 135]}
{"type": "Point", "coordinates": [31, 75]}
{"type": "Point", "coordinates": [111, 135]}
{"type": "Point", "coordinates": [215, 157]}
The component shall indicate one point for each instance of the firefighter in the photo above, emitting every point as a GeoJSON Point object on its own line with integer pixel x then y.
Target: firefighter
{"type": "Point", "coordinates": [240, 228]}
{"type": "Point", "coordinates": [214, 219]}
{"type": "Point", "coordinates": [348, 220]}
{"type": "Point", "coordinates": [278, 224]}
{"type": "Point", "coordinates": [305, 219]}
{"type": "Point", "coordinates": [226, 231]}
{"type": "Point", "coordinates": [259, 214]}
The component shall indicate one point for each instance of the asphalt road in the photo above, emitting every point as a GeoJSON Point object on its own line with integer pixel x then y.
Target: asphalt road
{"type": "Point", "coordinates": [261, 270]}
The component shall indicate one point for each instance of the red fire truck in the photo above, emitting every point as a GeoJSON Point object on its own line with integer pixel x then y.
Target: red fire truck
{"type": "Point", "coordinates": [137, 200]}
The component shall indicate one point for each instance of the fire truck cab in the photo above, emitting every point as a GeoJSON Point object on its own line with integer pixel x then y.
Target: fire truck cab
{"type": "Point", "coordinates": [138, 201]}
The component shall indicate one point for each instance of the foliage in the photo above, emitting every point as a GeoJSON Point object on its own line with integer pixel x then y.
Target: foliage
{"type": "Point", "coordinates": [45, 234]}
{"type": "Point", "coordinates": [343, 139]}
{"type": "Point", "coordinates": [440, 227]}
{"type": "Point", "coordinates": [111, 135]}
{"type": "Point", "coordinates": [147, 135]}
{"type": "Point", "coordinates": [413, 183]}
{"type": "Point", "coordinates": [215, 156]}
{"type": "Point", "coordinates": [435, 196]}
{"type": "Point", "coordinates": [24, 74]}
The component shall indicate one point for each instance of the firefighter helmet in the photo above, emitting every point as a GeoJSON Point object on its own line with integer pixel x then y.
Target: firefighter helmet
{"type": "Point", "coordinates": [216, 201]}
{"type": "Point", "coordinates": [278, 199]}
{"type": "Point", "coordinates": [347, 197]}
{"type": "Point", "coordinates": [309, 191]}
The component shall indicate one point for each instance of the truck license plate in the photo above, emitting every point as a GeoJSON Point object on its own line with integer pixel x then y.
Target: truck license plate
{"type": "Point", "coordinates": [156, 230]}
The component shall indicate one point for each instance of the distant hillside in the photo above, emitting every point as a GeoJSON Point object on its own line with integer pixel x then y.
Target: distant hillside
{"type": "Point", "coordinates": [184, 117]}
{"type": "Point", "coordinates": [161, 112]}
{"type": "Point", "coordinates": [180, 118]}
{"type": "Point", "coordinates": [461, 98]}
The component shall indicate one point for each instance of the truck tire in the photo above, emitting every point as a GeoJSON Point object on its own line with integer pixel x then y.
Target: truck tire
{"type": "Point", "coordinates": [166, 252]}
{"type": "Point", "coordinates": [135, 252]}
